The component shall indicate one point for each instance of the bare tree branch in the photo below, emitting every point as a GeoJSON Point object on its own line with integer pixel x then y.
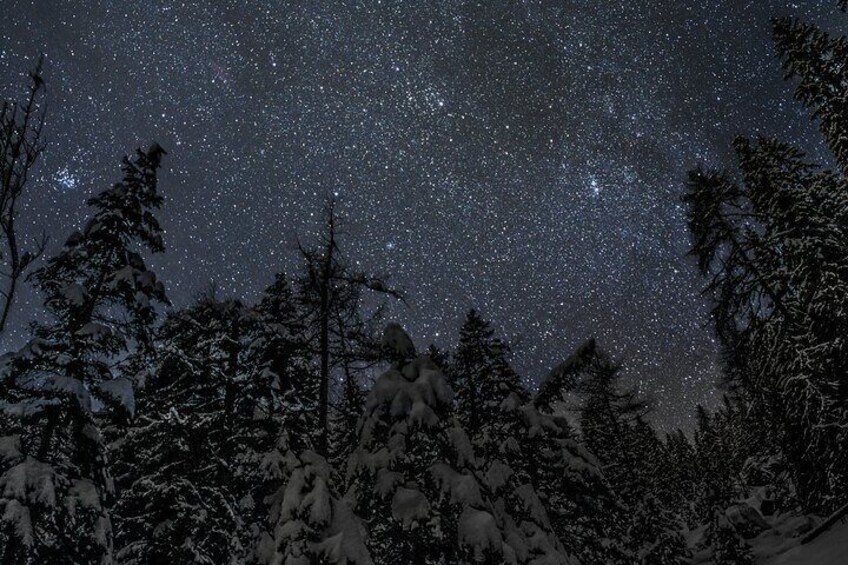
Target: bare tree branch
{"type": "Point", "coordinates": [21, 144]}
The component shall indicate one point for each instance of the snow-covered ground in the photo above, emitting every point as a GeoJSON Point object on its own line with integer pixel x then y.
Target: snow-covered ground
{"type": "Point", "coordinates": [780, 544]}
{"type": "Point", "coordinates": [830, 548]}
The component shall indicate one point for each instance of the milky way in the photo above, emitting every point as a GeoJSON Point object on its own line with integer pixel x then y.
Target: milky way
{"type": "Point", "coordinates": [525, 158]}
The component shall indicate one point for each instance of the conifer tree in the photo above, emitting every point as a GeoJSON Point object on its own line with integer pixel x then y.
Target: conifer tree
{"type": "Point", "coordinates": [528, 459]}
{"type": "Point", "coordinates": [818, 61]}
{"type": "Point", "coordinates": [55, 486]}
{"type": "Point", "coordinates": [776, 254]}
{"type": "Point", "coordinates": [344, 417]}
{"type": "Point", "coordinates": [480, 375]}
{"type": "Point", "coordinates": [684, 481]}
{"type": "Point", "coordinates": [181, 499]}
{"type": "Point", "coordinates": [276, 410]}
{"type": "Point", "coordinates": [412, 476]}
{"type": "Point", "coordinates": [312, 525]}
{"type": "Point", "coordinates": [630, 454]}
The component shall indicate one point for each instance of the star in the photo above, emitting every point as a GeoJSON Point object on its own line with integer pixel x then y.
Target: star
{"type": "Point", "coordinates": [461, 140]}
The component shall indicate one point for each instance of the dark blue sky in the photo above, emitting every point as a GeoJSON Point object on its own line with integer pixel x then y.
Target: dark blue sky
{"type": "Point", "coordinates": [526, 158]}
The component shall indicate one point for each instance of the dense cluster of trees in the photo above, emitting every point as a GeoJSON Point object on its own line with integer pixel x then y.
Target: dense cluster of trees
{"type": "Point", "coordinates": [133, 432]}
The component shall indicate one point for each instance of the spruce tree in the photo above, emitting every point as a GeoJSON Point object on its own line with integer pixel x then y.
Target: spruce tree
{"type": "Point", "coordinates": [480, 375]}
{"type": "Point", "coordinates": [181, 499]}
{"type": "Point", "coordinates": [536, 472]}
{"type": "Point", "coordinates": [412, 477]}
{"type": "Point", "coordinates": [631, 457]}
{"type": "Point", "coordinates": [684, 482]}
{"type": "Point", "coordinates": [311, 524]}
{"type": "Point", "coordinates": [275, 411]}
{"type": "Point", "coordinates": [775, 251]}
{"type": "Point", "coordinates": [818, 62]}
{"type": "Point", "coordinates": [55, 486]}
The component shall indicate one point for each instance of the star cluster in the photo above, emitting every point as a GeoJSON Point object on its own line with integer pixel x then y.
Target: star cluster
{"type": "Point", "coordinates": [523, 157]}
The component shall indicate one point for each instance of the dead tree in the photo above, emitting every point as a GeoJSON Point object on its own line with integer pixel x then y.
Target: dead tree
{"type": "Point", "coordinates": [330, 292]}
{"type": "Point", "coordinates": [21, 144]}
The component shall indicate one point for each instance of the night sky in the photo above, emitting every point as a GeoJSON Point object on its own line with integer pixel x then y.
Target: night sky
{"type": "Point", "coordinates": [526, 158]}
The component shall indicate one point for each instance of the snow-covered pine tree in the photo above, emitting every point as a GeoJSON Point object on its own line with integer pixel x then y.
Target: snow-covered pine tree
{"type": "Point", "coordinates": [818, 61]}
{"type": "Point", "coordinates": [180, 499]}
{"type": "Point", "coordinates": [567, 477]}
{"type": "Point", "coordinates": [608, 413]}
{"type": "Point", "coordinates": [776, 253]}
{"type": "Point", "coordinates": [630, 455]}
{"type": "Point", "coordinates": [55, 486]}
{"type": "Point", "coordinates": [520, 452]}
{"type": "Point", "coordinates": [412, 477]}
{"type": "Point", "coordinates": [654, 462]}
{"type": "Point", "coordinates": [312, 525]}
{"type": "Point", "coordinates": [586, 513]}
{"type": "Point", "coordinates": [481, 375]}
{"type": "Point", "coordinates": [289, 486]}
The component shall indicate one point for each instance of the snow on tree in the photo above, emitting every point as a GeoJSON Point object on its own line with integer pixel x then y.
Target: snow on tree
{"type": "Point", "coordinates": [412, 478]}
{"type": "Point", "coordinates": [509, 438]}
{"type": "Point", "coordinates": [481, 375]}
{"type": "Point", "coordinates": [312, 525]}
{"type": "Point", "coordinates": [55, 487]}
{"type": "Point", "coordinates": [776, 253]}
{"type": "Point", "coordinates": [586, 514]}
{"type": "Point", "coordinates": [180, 497]}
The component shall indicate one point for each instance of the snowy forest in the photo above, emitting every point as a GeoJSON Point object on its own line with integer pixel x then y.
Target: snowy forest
{"type": "Point", "coordinates": [307, 429]}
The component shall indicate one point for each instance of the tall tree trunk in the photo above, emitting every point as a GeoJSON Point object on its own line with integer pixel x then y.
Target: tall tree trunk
{"type": "Point", "coordinates": [324, 385]}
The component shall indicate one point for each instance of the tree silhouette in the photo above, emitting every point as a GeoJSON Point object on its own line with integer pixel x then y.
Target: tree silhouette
{"type": "Point", "coordinates": [21, 144]}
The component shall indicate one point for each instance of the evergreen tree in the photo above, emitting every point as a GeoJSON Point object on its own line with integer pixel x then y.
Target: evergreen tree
{"type": "Point", "coordinates": [343, 420]}
{"type": "Point", "coordinates": [631, 457]}
{"type": "Point", "coordinates": [55, 486]}
{"type": "Point", "coordinates": [775, 251]}
{"type": "Point", "coordinates": [523, 455]}
{"type": "Point", "coordinates": [818, 61]}
{"type": "Point", "coordinates": [276, 411]}
{"type": "Point", "coordinates": [572, 489]}
{"type": "Point", "coordinates": [412, 477]}
{"type": "Point", "coordinates": [181, 499]}
{"type": "Point", "coordinates": [480, 375]}
{"type": "Point", "coordinates": [684, 481]}
{"type": "Point", "coordinates": [311, 524]}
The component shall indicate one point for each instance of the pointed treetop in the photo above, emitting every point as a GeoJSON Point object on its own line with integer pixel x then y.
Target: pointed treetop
{"type": "Point", "coordinates": [565, 376]}
{"type": "Point", "coordinates": [397, 343]}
